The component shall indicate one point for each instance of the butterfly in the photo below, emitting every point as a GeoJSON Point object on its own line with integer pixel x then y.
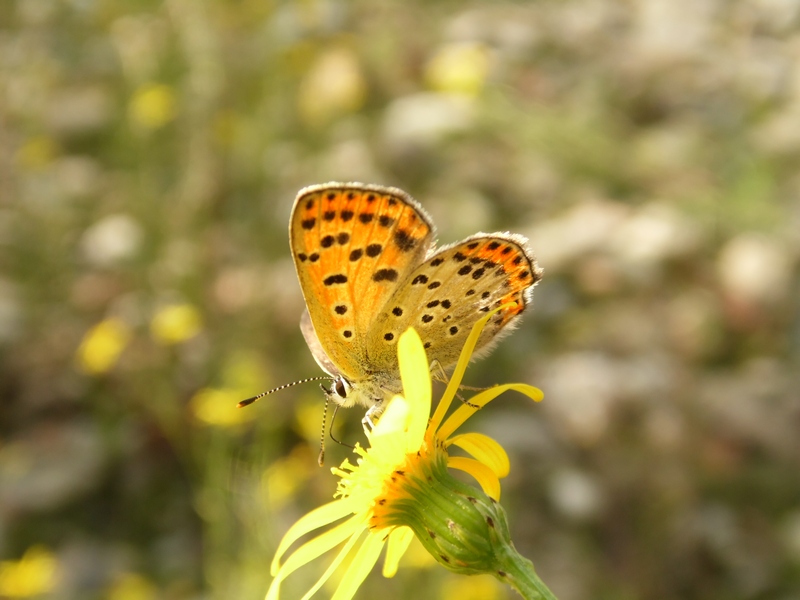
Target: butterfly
{"type": "Point", "coordinates": [368, 270]}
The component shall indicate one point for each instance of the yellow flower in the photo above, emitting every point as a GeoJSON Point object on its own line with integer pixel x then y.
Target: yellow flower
{"type": "Point", "coordinates": [176, 323]}
{"type": "Point", "coordinates": [459, 69]}
{"type": "Point", "coordinates": [153, 106]}
{"type": "Point", "coordinates": [216, 405]}
{"type": "Point", "coordinates": [32, 575]}
{"type": "Point", "coordinates": [333, 86]}
{"type": "Point", "coordinates": [101, 346]}
{"type": "Point", "coordinates": [387, 496]}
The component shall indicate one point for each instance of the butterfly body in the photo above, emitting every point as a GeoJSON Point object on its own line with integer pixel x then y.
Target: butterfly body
{"type": "Point", "coordinates": [368, 270]}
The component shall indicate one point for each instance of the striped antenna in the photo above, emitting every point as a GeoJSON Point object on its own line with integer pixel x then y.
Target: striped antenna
{"type": "Point", "coordinates": [249, 401]}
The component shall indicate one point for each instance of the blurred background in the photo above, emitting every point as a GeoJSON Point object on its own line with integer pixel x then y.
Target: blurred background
{"type": "Point", "coordinates": [149, 156]}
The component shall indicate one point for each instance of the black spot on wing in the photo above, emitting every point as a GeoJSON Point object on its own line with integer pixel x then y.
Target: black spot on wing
{"type": "Point", "coordinates": [404, 241]}
{"type": "Point", "coordinates": [385, 275]}
{"type": "Point", "coordinates": [339, 278]}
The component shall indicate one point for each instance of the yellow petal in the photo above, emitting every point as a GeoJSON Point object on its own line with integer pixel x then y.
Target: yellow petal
{"type": "Point", "coordinates": [334, 565]}
{"type": "Point", "coordinates": [393, 421]}
{"type": "Point", "coordinates": [484, 449]}
{"type": "Point", "coordinates": [274, 588]}
{"type": "Point", "coordinates": [485, 476]}
{"type": "Point", "coordinates": [416, 377]}
{"type": "Point", "coordinates": [362, 564]}
{"type": "Point", "coordinates": [319, 545]}
{"type": "Point", "coordinates": [461, 367]}
{"type": "Point", "coordinates": [466, 411]}
{"type": "Point", "coordinates": [399, 540]}
{"type": "Point", "coordinates": [325, 514]}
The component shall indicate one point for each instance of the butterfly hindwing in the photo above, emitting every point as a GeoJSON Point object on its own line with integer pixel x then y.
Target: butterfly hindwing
{"type": "Point", "coordinates": [447, 294]}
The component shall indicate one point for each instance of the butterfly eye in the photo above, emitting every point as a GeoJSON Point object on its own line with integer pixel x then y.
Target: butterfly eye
{"type": "Point", "coordinates": [341, 390]}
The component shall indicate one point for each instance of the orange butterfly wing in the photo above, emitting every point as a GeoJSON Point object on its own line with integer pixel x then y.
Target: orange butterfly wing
{"type": "Point", "coordinates": [353, 245]}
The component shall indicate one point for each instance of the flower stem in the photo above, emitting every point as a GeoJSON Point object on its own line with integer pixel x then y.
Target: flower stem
{"type": "Point", "coordinates": [519, 573]}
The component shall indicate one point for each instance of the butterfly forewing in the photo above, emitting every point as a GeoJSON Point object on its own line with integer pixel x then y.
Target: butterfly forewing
{"type": "Point", "coordinates": [353, 245]}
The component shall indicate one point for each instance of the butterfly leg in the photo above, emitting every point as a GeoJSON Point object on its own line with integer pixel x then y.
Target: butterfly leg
{"type": "Point", "coordinates": [439, 374]}
{"type": "Point", "coordinates": [372, 415]}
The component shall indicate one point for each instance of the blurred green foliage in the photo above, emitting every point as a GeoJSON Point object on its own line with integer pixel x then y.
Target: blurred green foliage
{"type": "Point", "coordinates": [150, 155]}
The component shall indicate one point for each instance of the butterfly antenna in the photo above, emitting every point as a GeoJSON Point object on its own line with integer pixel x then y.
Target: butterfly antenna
{"type": "Point", "coordinates": [321, 457]}
{"type": "Point", "coordinates": [249, 401]}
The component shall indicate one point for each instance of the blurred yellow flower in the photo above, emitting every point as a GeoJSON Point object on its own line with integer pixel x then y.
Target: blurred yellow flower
{"type": "Point", "coordinates": [101, 346]}
{"type": "Point", "coordinates": [176, 323]}
{"type": "Point", "coordinates": [32, 575]}
{"type": "Point", "coordinates": [217, 406]}
{"type": "Point", "coordinates": [153, 105]}
{"type": "Point", "coordinates": [459, 68]}
{"type": "Point", "coordinates": [334, 85]}
{"type": "Point", "coordinates": [132, 586]}
{"type": "Point", "coordinates": [36, 152]}
{"type": "Point", "coordinates": [284, 477]}
{"type": "Point", "coordinates": [477, 587]}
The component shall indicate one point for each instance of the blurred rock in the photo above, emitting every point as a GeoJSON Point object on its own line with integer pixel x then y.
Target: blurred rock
{"type": "Point", "coordinates": [779, 133]}
{"type": "Point", "coordinates": [48, 465]}
{"type": "Point", "coordinates": [235, 287]}
{"type": "Point", "coordinates": [581, 390]}
{"type": "Point", "coordinates": [755, 405]}
{"type": "Point", "coordinates": [111, 240]}
{"type": "Point", "coordinates": [754, 271]}
{"type": "Point", "coordinates": [425, 118]}
{"type": "Point", "coordinates": [653, 234]}
{"type": "Point", "coordinates": [78, 175]}
{"type": "Point", "coordinates": [669, 31]}
{"type": "Point", "coordinates": [694, 324]}
{"type": "Point", "coordinates": [79, 110]}
{"type": "Point", "coordinates": [350, 160]}
{"type": "Point", "coordinates": [139, 40]}
{"type": "Point", "coordinates": [575, 494]}
{"type": "Point", "coordinates": [585, 227]}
